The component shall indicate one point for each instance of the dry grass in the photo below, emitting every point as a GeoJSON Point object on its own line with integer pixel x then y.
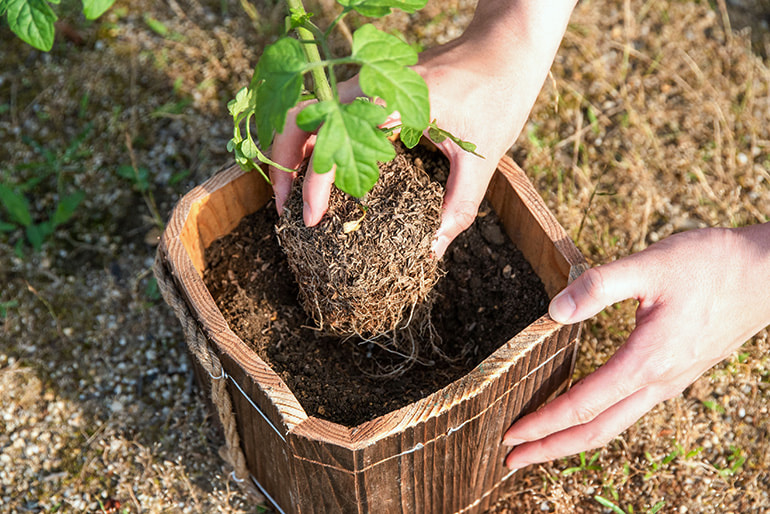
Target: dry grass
{"type": "Point", "coordinates": [655, 122]}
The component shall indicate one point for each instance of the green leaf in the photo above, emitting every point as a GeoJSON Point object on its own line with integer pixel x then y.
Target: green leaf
{"type": "Point", "coordinates": [7, 227]}
{"type": "Point", "coordinates": [350, 140]}
{"type": "Point", "coordinates": [156, 26]}
{"type": "Point", "coordinates": [139, 177]}
{"type": "Point", "coordinates": [95, 8]}
{"type": "Point", "coordinates": [37, 234]}
{"type": "Point", "coordinates": [384, 73]}
{"type": "Point", "coordinates": [298, 18]}
{"type": "Point", "coordinates": [16, 205]}
{"type": "Point", "coordinates": [241, 102]}
{"type": "Point", "coordinates": [438, 135]}
{"type": "Point", "coordinates": [4, 306]}
{"type": "Point", "coordinates": [379, 8]}
{"type": "Point", "coordinates": [607, 503]}
{"type": "Point", "coordinates": [32, 21]}
{"type": "Point", "coordinates": [410, 137]}
{"type": "Point", "coordinates": [278, 83]}
{"type": "Point", "coordinates": [66, 208]}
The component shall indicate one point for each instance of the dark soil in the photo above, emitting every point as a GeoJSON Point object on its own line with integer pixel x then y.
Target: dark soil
{"type": "Point", "coordinates": [488, 295]}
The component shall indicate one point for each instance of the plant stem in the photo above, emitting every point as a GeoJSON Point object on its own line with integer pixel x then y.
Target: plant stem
{"type": "Point", "coordinates": [323, 89]}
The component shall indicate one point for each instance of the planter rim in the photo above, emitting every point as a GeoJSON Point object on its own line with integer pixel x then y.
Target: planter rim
{"type": "Point", "coordinates": [293, 418]}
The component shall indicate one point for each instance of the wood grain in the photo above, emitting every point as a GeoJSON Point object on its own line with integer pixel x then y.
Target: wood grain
{"type": "Point", "coordinates": [440, 454]}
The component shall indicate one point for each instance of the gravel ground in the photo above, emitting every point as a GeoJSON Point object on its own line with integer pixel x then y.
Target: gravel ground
{"type": "Point", "coordinates": [655, 122]}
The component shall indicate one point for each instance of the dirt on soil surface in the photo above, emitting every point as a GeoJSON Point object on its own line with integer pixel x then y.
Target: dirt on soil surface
{"type": "Point", "coordinates": [488, 295]}
{"type": "Point", "coordinates": [654, 121]}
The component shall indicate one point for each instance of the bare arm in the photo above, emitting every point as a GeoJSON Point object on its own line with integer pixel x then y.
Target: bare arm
{"type": "Point", "coordinates": [701, 295]}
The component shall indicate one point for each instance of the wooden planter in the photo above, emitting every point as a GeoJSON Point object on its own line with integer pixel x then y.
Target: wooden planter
{"type": "Point", "coordinates": [441, 454]}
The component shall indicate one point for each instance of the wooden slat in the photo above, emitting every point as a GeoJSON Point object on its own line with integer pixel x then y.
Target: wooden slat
{"type": "Point", "coordinates": [218, 205]}
{"type": "Point", "coordinates": [440, 454]}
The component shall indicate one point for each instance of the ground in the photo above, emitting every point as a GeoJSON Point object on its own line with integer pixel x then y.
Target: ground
{"type": "Point", "coordinates": [653, 121]}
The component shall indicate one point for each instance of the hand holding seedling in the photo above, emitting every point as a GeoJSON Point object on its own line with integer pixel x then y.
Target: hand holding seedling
{"type": "Point", "coordinates": [482, 87]}
{"type": "Point", "coordinates": [350, 137]}
{"type": "Point", "coordinates": [701, 295]}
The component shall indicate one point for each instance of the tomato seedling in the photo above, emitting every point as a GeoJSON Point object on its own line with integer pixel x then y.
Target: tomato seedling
{"type": "Point", "coordinates": [350, 138]}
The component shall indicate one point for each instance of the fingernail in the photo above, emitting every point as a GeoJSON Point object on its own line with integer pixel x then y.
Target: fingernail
{"type": "Point", "coordinates": [513, 442]}
{"type": "Point", "coordinates": [562, 307]}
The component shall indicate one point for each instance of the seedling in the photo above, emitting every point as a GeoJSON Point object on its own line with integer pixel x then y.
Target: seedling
{"type": "Point", "coordinates": [20, 216]}
{"type": "Point", "coordinates": [349, 135]}
{"type": "Point", "coordinates": [735, 462]}
{"type": "Point", "coordinates": [33, 20]}
{"type": "Point", "coordinates": [618, 510]}
{"type": "Point", "coordinates": [589, 465]}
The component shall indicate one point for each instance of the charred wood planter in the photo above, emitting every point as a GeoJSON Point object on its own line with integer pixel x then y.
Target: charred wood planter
{"type": "Point", "coordinates": [440, 454]}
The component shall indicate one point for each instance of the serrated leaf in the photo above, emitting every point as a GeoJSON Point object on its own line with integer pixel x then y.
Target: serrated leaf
{"type": "Point", "coordinates": [66, 208]}
{"type": "Point", "coordinates": [350, 140]}
{"type": "Point", "coordinates": [379, 8]}
{"type": "Point", "coordinates": [278, 83]}
{"type": "Point", "coordinates": [95, 8]}
{"type": "Point", "coordinates": [32, 21]}
{"type": "Point", "coordinates": [16, 206]}
{"type": "Point", "coordinates": [384, 73]}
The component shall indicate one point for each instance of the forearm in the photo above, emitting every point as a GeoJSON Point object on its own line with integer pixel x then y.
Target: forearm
{"type": "Point", "coordinates": [502, 29]}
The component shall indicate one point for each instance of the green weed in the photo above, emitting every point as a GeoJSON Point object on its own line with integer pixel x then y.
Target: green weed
{"type": "Point", "coordinates": [630, 509]}
{"type": "Point", "coordinates": [584, 465]}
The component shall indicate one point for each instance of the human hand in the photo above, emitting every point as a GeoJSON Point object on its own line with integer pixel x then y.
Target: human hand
{"type": "Point", "coordinates": [482, 87]}
{"type": "Point", "coordinates": [701, 295]}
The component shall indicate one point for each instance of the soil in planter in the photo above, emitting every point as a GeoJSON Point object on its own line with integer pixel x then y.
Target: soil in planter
{"type": "Point", "coordinates": [489, 294]}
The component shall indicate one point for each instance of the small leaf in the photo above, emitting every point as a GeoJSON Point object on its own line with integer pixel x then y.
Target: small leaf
{"type": "Point", "coordinates": [7, 227]}
{"type": "Point", "coordinates": [66, 208]}
{"type": "Point", "coordinates": [384, 73]}
{"type": "Point", "coordinates": [95, 8]}
{"type": "Point", "coordinates": [248, 149]}
{"type": "Point", "coordinates": [156, 26]}
{"type": "Point", "coordinates": [410, 137]}
{"type": "Point", "coordinates": [278, 83]}
{"type": "Point", "coordinates": [32, 21]}
{"type": "Point", "coordinates": [37, 234]}
{"type": "Point", "coordinates": [379, 8]}
{"type": "Point", "coordinates": [350, 140]}
{"type": "Point", "coordinates": [607, 503]}
{"type": "Point", "coordinates": [16, 205]}
{"type": "Point", "coordinates": [240, 103]}
{"type": "Point", "coordinates": [298, 17]}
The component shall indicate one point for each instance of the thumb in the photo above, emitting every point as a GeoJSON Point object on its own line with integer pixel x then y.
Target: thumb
{"type": "Point", "coordinates": [467, 183]}
{"type": "Point", "coordinates": [598, 288]}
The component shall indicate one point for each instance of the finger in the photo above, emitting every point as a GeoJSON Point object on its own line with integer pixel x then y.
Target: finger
{"type": "Point", "coordinates": [589, 398]}
{"type": "Point", "coordinates": [315, 195]}
{"type": "Point", "coordinates": [591, 435]}
{"type": "Point", "coordinates": [468, 179]}
{"type": "Point", "coordinates": [290, 148]}
{"type": "Point", "coordinates": [598, 288]}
